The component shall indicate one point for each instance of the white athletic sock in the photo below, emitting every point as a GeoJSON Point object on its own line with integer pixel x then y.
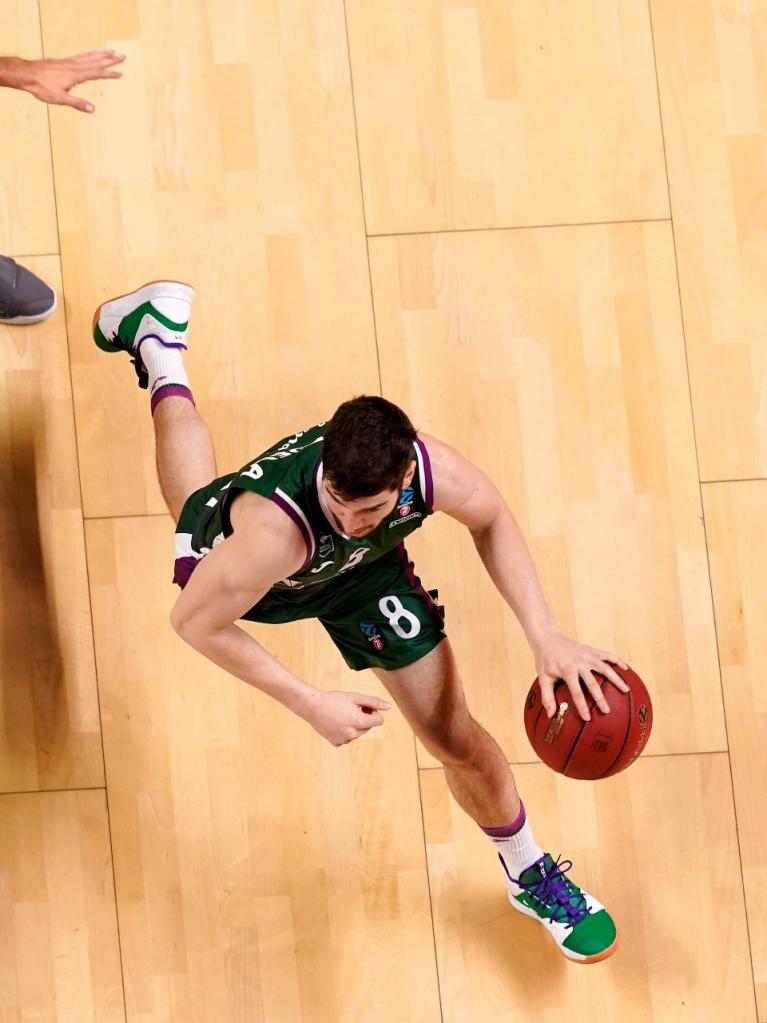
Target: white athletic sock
{"type": "Point", "coordinates": [163, 365]}
{"type": "Point", "coordinates": [519, 851]}
{"type": "Point", "coordinates": [515, 844]}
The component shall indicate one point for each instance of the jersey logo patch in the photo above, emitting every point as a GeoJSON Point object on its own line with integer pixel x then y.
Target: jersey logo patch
{"type": "Point", "coordinates": [326, 547]}
{"type": "Point", "coordinates": [405, 503]}
{"type": "Point", "coordinates": [373, 635]}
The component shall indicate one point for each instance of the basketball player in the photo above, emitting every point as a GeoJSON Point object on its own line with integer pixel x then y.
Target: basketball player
{"type": "Point", "coordinates": [314, 528]}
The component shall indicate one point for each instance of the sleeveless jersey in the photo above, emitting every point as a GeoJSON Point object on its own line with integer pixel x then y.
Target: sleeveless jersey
{"type": "Point", "coordinates": [290, 474]}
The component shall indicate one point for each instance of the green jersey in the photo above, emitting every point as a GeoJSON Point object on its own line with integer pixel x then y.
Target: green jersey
{"type": "Point", "coordinates": [290, 474]}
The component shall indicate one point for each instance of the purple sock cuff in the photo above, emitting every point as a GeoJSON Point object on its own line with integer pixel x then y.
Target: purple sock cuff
{"type": "Point", "coordinates": [171, 391]}
{"type": "Point", "coordinates": [508, 829]}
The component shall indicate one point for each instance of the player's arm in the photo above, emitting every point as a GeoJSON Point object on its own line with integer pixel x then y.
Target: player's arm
{"type": "Point", "coordinates": [464, 492]}
{"type": "Point", "coordinates": [264, 548]}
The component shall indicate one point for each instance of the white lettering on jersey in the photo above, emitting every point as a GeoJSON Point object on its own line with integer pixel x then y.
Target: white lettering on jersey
{"type": "Point", "coordinates": [284, 451]}
{"type": "Point", "coordinates": [355, 559]}
{"type": "Point", "coordinates": [320, 568]}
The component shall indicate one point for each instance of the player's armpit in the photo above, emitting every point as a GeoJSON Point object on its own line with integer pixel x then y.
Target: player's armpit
{"type": "Point", "coordinates": [265, 547]}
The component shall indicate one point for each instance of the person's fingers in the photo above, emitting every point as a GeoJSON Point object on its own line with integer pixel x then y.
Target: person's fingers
{"type": "Point", "coordinates": [109, 59]}
{"type": "Point", "coordinates": [595, 689]}
{"type": "Point", "coordinates": [87, 55]}
{"type": "Point", "coordinates": [369, 719]}
{"type": "Point", "coordinates": [574, 685]}
{"type": "Point", "coordinates": [74, 101]}
{"type": "Point", "coordinates": [605, 655]}
{"type": "Point", "coordinates": [547, 696]}
{"type": "Point", "coordinates": [373, 702]}
{"type": "Point", "coordinates": [611, 676]}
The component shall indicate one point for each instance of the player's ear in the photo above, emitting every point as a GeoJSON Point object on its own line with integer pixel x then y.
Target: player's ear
{"type": "Point", "coordinates": [408, 478]}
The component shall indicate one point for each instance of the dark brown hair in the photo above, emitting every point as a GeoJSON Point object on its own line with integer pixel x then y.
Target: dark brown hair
{"type": "Point", "coordinates": [367, 447]}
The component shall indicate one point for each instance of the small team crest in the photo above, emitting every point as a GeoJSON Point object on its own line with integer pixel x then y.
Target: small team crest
{"type": "Point", "coordinates": [325, 548]}
{"type": "Point", "coordinates": [373, 635]}
{"type": "Point", "coordinates": [405, 502]}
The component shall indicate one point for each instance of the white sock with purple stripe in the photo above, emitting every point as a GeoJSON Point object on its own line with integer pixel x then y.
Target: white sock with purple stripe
{"type": "Point", "coordinates": [165, 368]}
{"type": "Point", "coordinates": [516, 846]}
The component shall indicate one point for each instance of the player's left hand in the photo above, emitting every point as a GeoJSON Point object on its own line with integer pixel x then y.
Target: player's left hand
{"type": "Point", "coordinates": [557, 657]}
{"type": "Point", "coordinates": [51, 79]}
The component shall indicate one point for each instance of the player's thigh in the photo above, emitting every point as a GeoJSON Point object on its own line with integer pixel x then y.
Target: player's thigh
{"type": "Point", "coordinates": [430, 694]}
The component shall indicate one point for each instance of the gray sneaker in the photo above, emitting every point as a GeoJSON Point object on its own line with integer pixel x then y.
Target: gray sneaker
{"type": "Point", "coordinates": [24, 298]}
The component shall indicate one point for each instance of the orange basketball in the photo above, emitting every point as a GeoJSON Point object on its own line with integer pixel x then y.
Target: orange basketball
{"type": "Point", "coordinates": [591, 749]}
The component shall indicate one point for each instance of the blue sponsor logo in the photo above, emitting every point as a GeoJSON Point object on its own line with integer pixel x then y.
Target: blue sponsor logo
{"type": "Point", "coordinates": [405, 503]}
{"type": "Point", "coordinates": [373, 635]}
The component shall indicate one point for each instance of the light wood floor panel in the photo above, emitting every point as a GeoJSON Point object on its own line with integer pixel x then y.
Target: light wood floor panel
{"type": "Point", "coordinates": [27, 211]}
{"type": "Point", "coordinates": [712, 73]}
{"type": "Point", "coordinates": [227, 160]}
{"type": "Point", "coordinates": [261, 874]}
{"type": "Point", "coordinates": [656, 845]}
{"type": "Point", "coordinates": [493, 114]}
{"type": "Point", "coordinates": [50, 735]}
{"type": "Point", "coordinates": [554, 359]}
{"type": "Point", "coordinates": [59, 957]}
{"type": "Point", "coordinates": [735, 518]}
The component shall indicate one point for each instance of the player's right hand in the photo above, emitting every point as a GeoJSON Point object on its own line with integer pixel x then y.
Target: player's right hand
{"type": "Point", "coordinates": [341, 717]}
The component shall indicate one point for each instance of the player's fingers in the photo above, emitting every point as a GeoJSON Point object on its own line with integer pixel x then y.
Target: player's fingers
{"type": "Point", "coordinates": [88, 55]}
{"type": "Point", "coordinates": [109, 59]}
{"type": "Point", "coordinates": [74, 101]}
{"type": "Point", "coordinates": [370, 719]}
{"type": "Point", "coordinates": [611, 675]}
{"type": "Point", "coordinates": [372, 702]}
{"type": "Point", "coordinates": [547, 695]}
{"type": "Point", "coordinates": [574, 685]}
{"type": "Point", "coordinates": [596, 690]}
{"type": "Point", "coordinates": [605, 655]}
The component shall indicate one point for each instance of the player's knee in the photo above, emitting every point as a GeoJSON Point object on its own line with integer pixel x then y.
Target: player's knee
{"type": "Point", "coordinates": [456, 744]}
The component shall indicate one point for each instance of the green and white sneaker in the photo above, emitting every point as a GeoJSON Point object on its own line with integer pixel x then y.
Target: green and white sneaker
{"type": "Point", "coordinates": [580, 925]}
{"type": "Point", "coordinates": [157, 310]}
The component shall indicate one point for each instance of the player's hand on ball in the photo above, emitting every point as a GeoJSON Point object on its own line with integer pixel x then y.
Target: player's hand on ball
{"type": "Point", "coordinates": [341, 717]}
{"type": "Point", "coordinates": [557, 657]}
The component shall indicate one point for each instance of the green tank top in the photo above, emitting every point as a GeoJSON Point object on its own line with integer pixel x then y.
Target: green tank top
{"type": "Point", "coordinates": [290, 474]}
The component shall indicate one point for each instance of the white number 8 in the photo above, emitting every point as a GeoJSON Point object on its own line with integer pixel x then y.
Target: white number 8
{"type": "Point", "coordinates": [395, 613]}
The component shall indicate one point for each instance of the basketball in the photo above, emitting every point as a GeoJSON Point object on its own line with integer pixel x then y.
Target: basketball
{"type": "Point", "coordinates": [598, 748]}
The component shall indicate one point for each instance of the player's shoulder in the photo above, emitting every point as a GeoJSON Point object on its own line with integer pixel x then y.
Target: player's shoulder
{"type": "Point", "coordinates": [258, 522]}
{"type": "Point", "coordinates": [452, 474]}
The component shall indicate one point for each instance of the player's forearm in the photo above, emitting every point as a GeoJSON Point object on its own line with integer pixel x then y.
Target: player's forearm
{"type": "Point", "coordinates": [232, 649]}
{"type": "Point", "coordinates": [507, 559]}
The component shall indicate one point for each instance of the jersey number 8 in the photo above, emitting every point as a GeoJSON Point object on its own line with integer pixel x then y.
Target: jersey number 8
{"type": "Point", "coordinates": [395, 613]}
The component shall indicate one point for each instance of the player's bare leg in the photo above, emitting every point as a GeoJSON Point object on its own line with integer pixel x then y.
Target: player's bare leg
{"type": "Point", "coordinates": [430, 695]}
{"type": "Point", "coordinates": [151, 325]}
{"type": "Point", "coordinates": [185, 457]}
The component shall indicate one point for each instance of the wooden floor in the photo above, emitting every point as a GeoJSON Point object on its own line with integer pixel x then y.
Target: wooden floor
{"type": "Point", "coordinates": [542, 230]}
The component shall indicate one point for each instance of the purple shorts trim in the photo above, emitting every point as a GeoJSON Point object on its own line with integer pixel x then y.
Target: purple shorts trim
{"type": "Point", "coordinates": [408, 568]}
{"type": "Point", "coordinates": [170, 391]}
{"type": "Point", "coordinates": [183, 568]}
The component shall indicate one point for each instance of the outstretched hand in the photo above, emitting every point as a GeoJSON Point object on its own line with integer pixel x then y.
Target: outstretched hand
{"type": "Point", "coordinates": [51, 78]}
{"type": "Point", "coordinates": [557, 657]}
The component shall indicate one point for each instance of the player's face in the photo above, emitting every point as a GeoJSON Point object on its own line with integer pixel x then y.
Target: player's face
{"type": "Point", "coordinates": [362, 516]}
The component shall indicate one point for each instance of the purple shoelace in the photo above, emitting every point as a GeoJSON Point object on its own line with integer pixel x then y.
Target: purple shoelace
{"type": "Point", "coordinates": [556, 892]}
